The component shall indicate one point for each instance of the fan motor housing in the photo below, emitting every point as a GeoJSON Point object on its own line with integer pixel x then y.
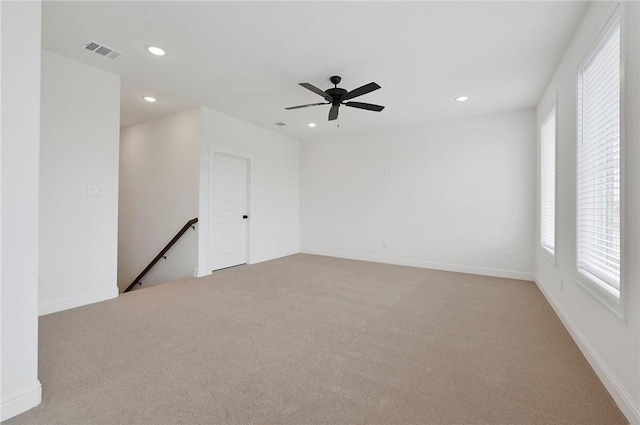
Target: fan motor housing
{"type": "Point", "coordinates": [337, 94]}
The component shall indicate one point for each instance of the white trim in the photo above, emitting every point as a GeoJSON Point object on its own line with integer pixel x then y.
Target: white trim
{"type": "Point", "coordinates": [610, 15]}
{"type": "Point", "coordinates": [602, 293]}
{"type": "Point", "coordinates": [22, 402]}
{"type": "Point", "coordinates": [77, 302]}
{"type": "Point", "coordinates": [206, 272]}
{"type": "Point", "coordinates": [621, 308]}
{"type": "Point", "coordinates": [483, 271]}
{"type": "Point", "coordinates": [203, 272]}
{"type": "Point", "coordinates": [620, 395]}
{"type": "Point", "coordinates": [271, 257]}
{"type": "Point", "coordinates": [551, 107]}
{"type": "Point", "coordinates": [547, 254]}
{"type": "Point", "coordinates": [615, 304]}
{"type": "Point", "coordinates": [211, 160]}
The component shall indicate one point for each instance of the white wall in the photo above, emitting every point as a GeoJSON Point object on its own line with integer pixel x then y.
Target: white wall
{"type": "Point", "coordinates": [454, 195]}
{"type": "Point", "coordinates": [159, 175]}
{"type": "Point", "coordinates": [610, 344]}
{"type": "Point", "coordinates": [20, 35]}
{"type": "Point", "coordinates": [80, 120]}
{"type": "Point", "coordinates": [274, 187]}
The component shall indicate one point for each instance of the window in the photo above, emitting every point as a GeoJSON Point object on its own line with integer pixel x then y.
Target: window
{"type": "Point", "coordinates": [598, 172]}
{"type": "Point", "coordinates": [548, 183]}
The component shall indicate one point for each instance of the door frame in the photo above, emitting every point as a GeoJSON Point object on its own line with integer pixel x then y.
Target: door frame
{"type": "Point", "coordinates": [212, 155]}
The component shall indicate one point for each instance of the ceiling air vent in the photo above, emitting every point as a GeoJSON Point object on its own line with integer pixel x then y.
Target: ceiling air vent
{"type": "Point", "coordinates": [279, 124]}
{"type": "Point", "coordinates": [105, 51]}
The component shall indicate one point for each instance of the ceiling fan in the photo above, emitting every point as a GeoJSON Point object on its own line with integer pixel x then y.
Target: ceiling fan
{"type": "Point", "coordinates": [337, 97]}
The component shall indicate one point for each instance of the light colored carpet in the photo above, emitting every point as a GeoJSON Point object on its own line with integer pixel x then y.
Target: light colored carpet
{"type": "Point", "coordinates": [318, 340]}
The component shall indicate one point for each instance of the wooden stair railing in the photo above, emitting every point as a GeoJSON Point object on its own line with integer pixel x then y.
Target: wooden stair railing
{"type": "Point", "coordinates": [137, 281]}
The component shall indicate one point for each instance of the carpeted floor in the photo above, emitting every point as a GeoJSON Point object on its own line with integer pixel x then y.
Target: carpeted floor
{"type": "Point", "coordinates": [317, 340]}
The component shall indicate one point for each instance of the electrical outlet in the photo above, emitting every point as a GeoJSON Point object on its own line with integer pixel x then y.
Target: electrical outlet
{"type": "Point", "coordinates": [96, 192]}
{"type": "Point", "coordinates": [507, 255]}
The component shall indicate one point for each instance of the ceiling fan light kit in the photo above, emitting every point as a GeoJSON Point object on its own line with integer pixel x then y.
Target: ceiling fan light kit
{"type": "Point", "coordinates": [337, 96]}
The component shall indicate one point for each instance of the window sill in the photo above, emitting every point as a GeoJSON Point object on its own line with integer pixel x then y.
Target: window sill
{"type": "Point", "coordinates": [547, 254]}
{"type": "Point", "coordinates": [607, 296]}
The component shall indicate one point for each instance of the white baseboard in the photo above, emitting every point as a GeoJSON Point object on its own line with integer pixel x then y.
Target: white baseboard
{"type": "Point", "coordinates": [253, 260]}
{"type": "Point", "coordinates": [202, 272]}
{"type": "Point", "coordinates": [256, 260]}
{"type": "Point", "coordinates": [21, 403]}
{"type": "Point", "coordinates": [78, 301]}
{"type": "Point", "coordinates": [509, 274]}
{"type": "Point", "coordinates": [620, 395]}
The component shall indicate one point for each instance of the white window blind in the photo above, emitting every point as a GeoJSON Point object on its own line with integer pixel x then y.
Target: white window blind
{"type": "Point", "coordinates": [598, 197]}
{"type": "Point", "coordinates": [548, 183]}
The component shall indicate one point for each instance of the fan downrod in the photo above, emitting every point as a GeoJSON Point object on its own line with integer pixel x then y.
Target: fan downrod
{"type": "Point", "coordinates": [335, 94]}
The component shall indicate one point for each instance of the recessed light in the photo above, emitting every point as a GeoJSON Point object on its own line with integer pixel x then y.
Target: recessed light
{"type": "Point", "coordinates": [462, 98]}
{"type": "Point", "coordinates": [156, 51]}
{"type": "Point", "coordinates": [150, 99]}
{"type": "Point", "coordinates": [311, 124]}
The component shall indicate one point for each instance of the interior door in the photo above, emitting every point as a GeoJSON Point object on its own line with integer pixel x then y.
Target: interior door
{"type": "Point", "coordinates": [228, 185]}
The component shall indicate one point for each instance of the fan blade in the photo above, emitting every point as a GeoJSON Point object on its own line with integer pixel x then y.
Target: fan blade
{"type": "Point", "coordinates": [333, 112]}
{"type": "Point", "coordinates": [367, 88]}
{"type": "Point", "coordinates": [316, 91]}
{"type": "Point", "coordinates": [367, 106]}
{"type": "Point", "coordinates": [306, 106]}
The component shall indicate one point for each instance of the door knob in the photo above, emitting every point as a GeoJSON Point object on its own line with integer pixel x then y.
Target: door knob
{"type": "Point", "coordinates": [244, 217]}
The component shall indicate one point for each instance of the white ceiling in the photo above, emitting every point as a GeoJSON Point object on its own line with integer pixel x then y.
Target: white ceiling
{"type": "Point", "coordinates": [246, 59]}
